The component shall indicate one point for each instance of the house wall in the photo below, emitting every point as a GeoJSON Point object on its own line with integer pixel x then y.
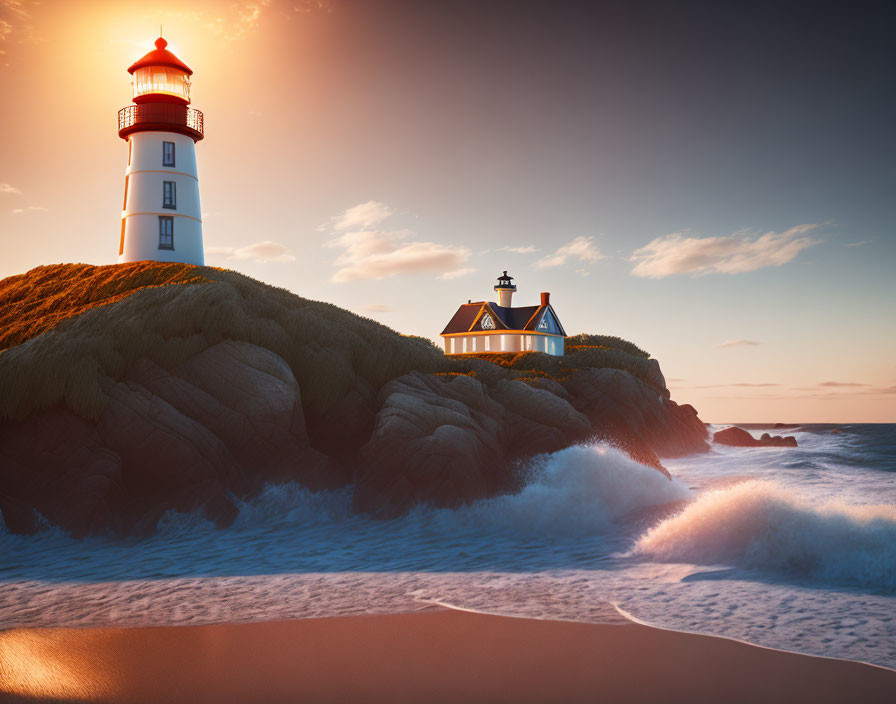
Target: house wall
{"type": "Point", "coordinates": [504, 342]}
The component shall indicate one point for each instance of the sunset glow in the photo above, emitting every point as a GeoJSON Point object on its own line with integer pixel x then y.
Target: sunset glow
{"type": "Point", "coordinates": [732, 217]}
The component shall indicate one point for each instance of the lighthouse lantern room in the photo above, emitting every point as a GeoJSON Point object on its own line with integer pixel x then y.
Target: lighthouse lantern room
{"type": "Point", "coordinates": [161, 219]}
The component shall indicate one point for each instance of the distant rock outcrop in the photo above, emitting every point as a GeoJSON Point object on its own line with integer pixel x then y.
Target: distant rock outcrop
{"type": "Point", "coordinates": [738, 437]}
{"type": "Point", "coordinates": [196, 387]}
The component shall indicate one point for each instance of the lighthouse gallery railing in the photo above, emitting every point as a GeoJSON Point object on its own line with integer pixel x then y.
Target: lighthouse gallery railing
{"type": "Point", "coordinates": [161, 114]}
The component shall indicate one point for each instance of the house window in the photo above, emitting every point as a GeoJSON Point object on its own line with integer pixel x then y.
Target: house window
{"type": "Point", "coordinates": [169, 195]}
{"type": "Point", "coordinates": [167, 153]}
{"type": "Point", "coordinates": [166, 232]}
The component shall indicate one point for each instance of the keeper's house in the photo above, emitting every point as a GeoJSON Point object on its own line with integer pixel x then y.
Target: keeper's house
{"type": "Point", "coordinates": [484, 327]}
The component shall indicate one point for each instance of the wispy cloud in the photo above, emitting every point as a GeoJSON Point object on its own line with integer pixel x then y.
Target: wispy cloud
{"type": "Point", "coordinates": [738, 343]}
{"type": "Point", "coordinates": [743, 251]}
{"type": "Point", "coordinates": [369, 253]}
{"type": "Point", "coordinates": [377, 308]}
{"type": "Point", "coordinates": [860, 243]}
{"type": "Point", "coordinates": [229, 21]}
{"type": "Point", "coordinates": [840, 383]}
{"type": "Point", "coordinates": [527, 249]}
{"type": "Point", "coordinates": [456, 274]}
{"type": "Point", "coordinates": [360, 217]}
{"type": "Point", "coordinates": [263, 252]}
{"type": "Point", "coordinates": [16, 22]}
{"type": "Point", "coordinates": [580, 249]}
{"type": "Point", "coordinates": [30, 209]}
{"type": "Point", "coordinates": [6, 188]}
{"type": "Point", "coordinates": [763, 385]}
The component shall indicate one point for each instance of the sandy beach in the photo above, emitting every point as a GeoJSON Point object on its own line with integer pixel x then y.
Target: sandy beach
{"type": "Point", "coordinates": [435, 656]}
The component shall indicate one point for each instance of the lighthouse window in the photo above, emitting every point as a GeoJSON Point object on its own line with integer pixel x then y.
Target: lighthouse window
{"type": "Point", "coordinates": [166, 232]}
{"type": "Point", "coordinates": [167, 153]}
{"type": "Point", "coordinates": [169, 195]}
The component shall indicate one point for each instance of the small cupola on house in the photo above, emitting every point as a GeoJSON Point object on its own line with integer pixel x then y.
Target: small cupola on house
{"type": "Point", "coordinates": [493, 328]}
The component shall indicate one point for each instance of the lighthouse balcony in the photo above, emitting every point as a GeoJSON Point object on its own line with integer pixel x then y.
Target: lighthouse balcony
{"type": "Point", "coordinates": [165, 117]}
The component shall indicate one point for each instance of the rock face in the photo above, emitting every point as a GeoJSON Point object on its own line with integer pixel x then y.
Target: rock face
{"type": "Point", "coordinates": [452, 439]}
{"type": "Point", "coordinates": [738, 437]}
{"type": "Point", "coordinates": [231, 418]}
{"type": "Point", "coordinates": [218, 426]}
{"type": "Point", "coordinates": [226, 421]}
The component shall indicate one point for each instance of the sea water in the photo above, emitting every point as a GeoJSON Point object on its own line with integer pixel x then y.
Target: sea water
{"type": "Point", "coordinates": [789, 548]}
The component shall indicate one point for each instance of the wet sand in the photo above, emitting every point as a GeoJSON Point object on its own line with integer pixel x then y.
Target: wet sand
{"type": "Point", "coordinates": [435, 656]}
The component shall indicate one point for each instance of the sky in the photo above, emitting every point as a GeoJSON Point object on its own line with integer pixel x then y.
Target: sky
{"type": "Point", "coordinates": [713, 183]}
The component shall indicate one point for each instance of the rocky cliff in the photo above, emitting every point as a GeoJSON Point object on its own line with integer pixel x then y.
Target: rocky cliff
{"type": "Point", "coordinates": [130, 390]}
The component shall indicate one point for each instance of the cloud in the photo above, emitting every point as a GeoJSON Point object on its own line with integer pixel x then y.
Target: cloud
{"type": "Point", "coordinates": [30, 209]}
{"type": "Point", "coordinates": [860, 243]}
{"type": "Point", "coordinates": [260, 252]}
{"type": "Point", "coordinates": [362, 217]}
{"type": "Point", "coordinates": [526, 249]}
{"type": "Point", "coordinates": [377, 308]}
{"type": "Point", "coordinates": [739, 343]}
{"type": "Point", "coordinates": [17, 22]}
{"type": "Point", "coordinates": [369, 253]}
{"type": "Point", "coordinates": [581, 248]}
{"type": "Point", "coordinates": [840, 383]}
{"type": "Point", "coordinates": [6, 188]}
{"type": "Point", "coordinates": [230, 21]}
{"type": "Point", "coordinates": [835, 395]}
{"type": "Point", "coordinates": [743, 251]}
{"type": "Point", "coordinates": [456, 274]}
{"type": "Point", "coordinates": [306, 6]}
{"type": "Point", "coordinates": [739, 385]}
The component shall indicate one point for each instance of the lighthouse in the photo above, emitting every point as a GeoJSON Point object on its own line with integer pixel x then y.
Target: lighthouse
{"type": "Point", "coordinates": [161, 219]}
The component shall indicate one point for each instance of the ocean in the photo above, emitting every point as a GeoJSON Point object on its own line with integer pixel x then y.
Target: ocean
{"type": "Point", "coordinates": [788, 548]}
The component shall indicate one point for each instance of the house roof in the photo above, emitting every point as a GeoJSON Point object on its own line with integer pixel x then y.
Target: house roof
{"type": "Point", "coordinates": [468, 318]}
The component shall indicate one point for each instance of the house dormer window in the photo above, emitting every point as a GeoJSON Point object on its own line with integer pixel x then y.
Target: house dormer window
{"type": "Point", "coordinates": [487, 322]}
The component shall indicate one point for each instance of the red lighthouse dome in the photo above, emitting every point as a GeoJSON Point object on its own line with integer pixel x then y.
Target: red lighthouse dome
{"type": "Point", "coordinates": [161, 76]}
{"type": "Point", "coordinates": [161, 84]}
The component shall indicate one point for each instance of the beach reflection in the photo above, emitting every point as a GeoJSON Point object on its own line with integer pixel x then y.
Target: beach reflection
{"type": "Point", "coordinates": [53, 664]}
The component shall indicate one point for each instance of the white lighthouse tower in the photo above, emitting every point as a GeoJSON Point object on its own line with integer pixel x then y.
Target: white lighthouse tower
{"type": "Point", "coordinates": [161, 219]}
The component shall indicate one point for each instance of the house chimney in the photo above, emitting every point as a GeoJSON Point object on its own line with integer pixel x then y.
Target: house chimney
{"type": "Point", "coordinates": [545, 298]}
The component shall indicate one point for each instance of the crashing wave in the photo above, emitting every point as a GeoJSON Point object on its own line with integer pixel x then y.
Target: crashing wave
{"type": "Point", "coordinates": [761, 525]}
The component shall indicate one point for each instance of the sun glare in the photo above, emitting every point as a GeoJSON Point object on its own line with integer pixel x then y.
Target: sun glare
{"type": "Point", "coordinates": [42, 663]}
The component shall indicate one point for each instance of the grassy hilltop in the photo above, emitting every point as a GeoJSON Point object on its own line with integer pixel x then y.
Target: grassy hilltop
{"type": "Point", "coordinates": [68, 330]}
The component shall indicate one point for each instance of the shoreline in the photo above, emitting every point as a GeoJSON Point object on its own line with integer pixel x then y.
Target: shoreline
{"type": "Point", "coordinates": [442, 655]}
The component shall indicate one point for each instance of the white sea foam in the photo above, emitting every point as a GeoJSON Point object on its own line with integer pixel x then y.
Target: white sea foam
{"type": "Point", "coordinates": [762, 525]}
{"type": "Point", "coordinates": [582, 489]}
